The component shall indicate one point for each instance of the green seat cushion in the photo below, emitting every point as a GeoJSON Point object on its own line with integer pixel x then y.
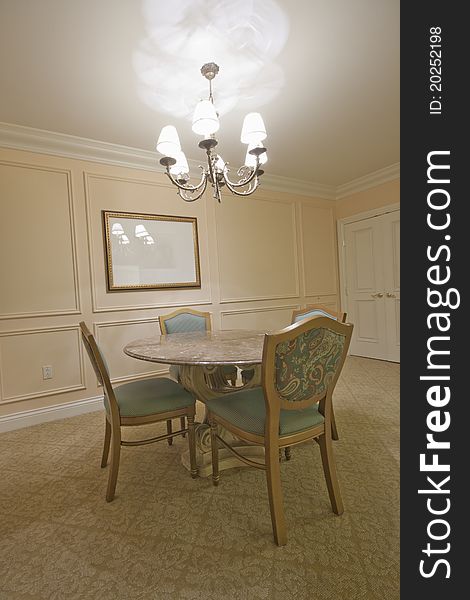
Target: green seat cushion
{"type": "Point", "coordinates": [151, 396]}
{"type": "Point", "coordinates": [246, 409]}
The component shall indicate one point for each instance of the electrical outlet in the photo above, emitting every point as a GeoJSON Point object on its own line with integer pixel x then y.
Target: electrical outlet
{"type": "Point", "coordinates": [47, 372]}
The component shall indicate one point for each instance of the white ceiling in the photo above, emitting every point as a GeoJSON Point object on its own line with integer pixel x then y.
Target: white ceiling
{"type": "Point", "coordinates": [69, 66]}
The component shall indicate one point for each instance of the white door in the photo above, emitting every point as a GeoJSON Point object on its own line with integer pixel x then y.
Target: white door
{"type": "Point", "coordinates": [372, 254]}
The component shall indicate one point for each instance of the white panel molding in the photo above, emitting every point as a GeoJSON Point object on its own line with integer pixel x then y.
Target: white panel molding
{"type": "Point", "coordinates": [71, 210]}
{"type": "Point", "coordinates": [87, 176]}
{"type": "Point", "coordinates": [368, 181]}
{"type": "Point", "coordinates": [31, 139]}
{"type": "Point", "coordinates": [322, 299]}
{"type": "Point", "coordinates": [243, 311]}
{"type": "Point", "coordinates": [296, 294]}
{"type": "Point", "coordinates": [36, 416]}
{"type": "Point", "coordinates": [53, 391]}
{"type": "Point", "coordinates": [305, 292]}
{"type": "Point", "coordinates": [96, 329]}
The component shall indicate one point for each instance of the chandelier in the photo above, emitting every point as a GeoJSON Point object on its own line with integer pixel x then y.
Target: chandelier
{"type": "Point", "coordinates": [206, 123]}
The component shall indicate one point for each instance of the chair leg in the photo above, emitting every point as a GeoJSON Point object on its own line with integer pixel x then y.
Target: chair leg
{"type": "Point", "coordinates": [215, 452]}
{"type": "Point", "coordinates": [183, 425]}
{"type": "Point", "coordinates": [329, 469]}
{"type": "Point", "coordinates": [169, 430]}
{"type": "Point", "coordinates": [115, 457]}
{"type": "Point", "coordinates": [273, 480]}
{"type": "Point", "coordinates": [107, 440]}
{"type": "Point", "coordinates": [192, 446]}
{"type": "Point", "coordinates": [334, 429]}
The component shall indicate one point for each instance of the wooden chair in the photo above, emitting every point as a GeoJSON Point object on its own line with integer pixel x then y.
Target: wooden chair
{"type": "Point", "coordinates": [138, 403]}
{"type": "Point", "coordinates": [301, 365]}
{"type": "Point", "coordinates": [312, 310]}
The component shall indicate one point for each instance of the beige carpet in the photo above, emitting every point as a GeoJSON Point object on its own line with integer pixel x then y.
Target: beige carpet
{"type": "Point", "coordinates": [167, 536]}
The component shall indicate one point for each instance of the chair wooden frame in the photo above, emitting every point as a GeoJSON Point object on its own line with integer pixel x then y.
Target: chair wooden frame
{"type": "Point", "coordinates": [272, 440]}
{"type": "Point", "coordinates": [114, 420]}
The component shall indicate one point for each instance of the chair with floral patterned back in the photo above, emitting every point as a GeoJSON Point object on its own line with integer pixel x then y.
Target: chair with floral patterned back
{"type": "Point", "coordinates": [312, 310]}
{"type": "Point", "coordinates": [301, 365]}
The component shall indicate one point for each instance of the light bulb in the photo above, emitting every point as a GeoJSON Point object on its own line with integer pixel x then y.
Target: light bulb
{"type": "Point", "coordinates": [253, 130]}
{"type": "Point", "coordinates": [250, 159]}
{"type": "Point", "coordinates": [168, 142]}
{"type": "Point", "coordinates": [181, 165]}
{"type": "Point", "coordinates": [205, 119]}
{"type": "Point", "coordinates": [220, 164]}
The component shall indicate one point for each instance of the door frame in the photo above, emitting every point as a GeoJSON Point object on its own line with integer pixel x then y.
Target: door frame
{"type": "Point", "coordinates": [362, 216]}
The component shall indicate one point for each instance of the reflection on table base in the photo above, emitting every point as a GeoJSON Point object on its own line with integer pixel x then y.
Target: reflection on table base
{"type": "Point", "coordinates": [207, 383]}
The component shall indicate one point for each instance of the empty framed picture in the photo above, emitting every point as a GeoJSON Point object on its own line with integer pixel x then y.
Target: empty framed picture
{"type": "Point", "coordinates": [150, 251]}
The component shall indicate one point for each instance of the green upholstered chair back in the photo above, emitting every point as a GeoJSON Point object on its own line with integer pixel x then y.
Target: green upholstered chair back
{"type": "Point", "coordinates": [184, 323]}
{"type": "Point", "coordinates": [185, 320]}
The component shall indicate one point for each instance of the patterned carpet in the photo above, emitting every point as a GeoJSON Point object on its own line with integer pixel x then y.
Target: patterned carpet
{"type": "Point", "coordinates": [167, 536]}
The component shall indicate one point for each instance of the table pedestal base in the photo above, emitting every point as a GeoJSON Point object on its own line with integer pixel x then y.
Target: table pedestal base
{"type": "Point", "coordinates": [226, 459]}
{"type": "Point", "coordinates": [206, 383]}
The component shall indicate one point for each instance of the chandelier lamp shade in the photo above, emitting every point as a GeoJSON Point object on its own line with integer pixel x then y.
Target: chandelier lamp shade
{"type": "Point", "coordinates": [206, 124]}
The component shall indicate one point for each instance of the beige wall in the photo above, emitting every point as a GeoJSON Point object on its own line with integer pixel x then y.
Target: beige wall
{"type": "Point", "coordinates": [261, 257]}
{"type": "Point", "coordinates": [375, 197]}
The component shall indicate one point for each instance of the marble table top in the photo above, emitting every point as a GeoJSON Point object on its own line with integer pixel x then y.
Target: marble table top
{"type": "Point", "coordinates": [238, 347]}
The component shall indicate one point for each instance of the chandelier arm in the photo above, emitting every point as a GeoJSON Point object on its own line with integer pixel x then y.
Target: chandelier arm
{"type": "Point", "coordinates": [188, 188]}
{"type": "Point", "coordinates": [185, 195]}
{"type": "Point", "coordinates": [244, 181]}
{"type": "Point", "coordinates": [252, 185]}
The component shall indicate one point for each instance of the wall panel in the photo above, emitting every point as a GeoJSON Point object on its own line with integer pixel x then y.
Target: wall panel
{"type": "Point", "coordinates": [139, 196]}
{"type": "Point", "coordinates": [24, 353]}
{"type": "Point", "coordinates": [38, 269]}
{"type": "Point", "coordinates": [257, 249]}
{"type": "Point", "coordinates": [264, 319]}
{"type": "Point", "coordinates": [114, 335]}
{"type": "Point", "coordinates": [318, 250]}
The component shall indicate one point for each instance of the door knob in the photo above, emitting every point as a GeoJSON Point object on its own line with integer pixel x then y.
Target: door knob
{"type": "Point", "coordinates": [389, 295]}
{"type": "Point", "coordinates": [378, 295]}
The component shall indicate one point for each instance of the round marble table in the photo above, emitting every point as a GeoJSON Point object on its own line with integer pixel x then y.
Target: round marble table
{"type": "Point", "coordinates": [200, 355]}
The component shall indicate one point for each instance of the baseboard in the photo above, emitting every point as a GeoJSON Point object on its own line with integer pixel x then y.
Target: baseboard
{"type": "Point", "coordinates": [50, 413]}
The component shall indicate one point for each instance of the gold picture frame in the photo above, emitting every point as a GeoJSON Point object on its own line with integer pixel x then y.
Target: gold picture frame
{"type": "Point", "coordinates": [150, 252]}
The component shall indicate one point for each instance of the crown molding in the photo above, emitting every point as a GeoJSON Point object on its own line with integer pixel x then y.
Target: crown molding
{"type": "Point", "coordinates": [368, 181]}
{"type": "Point", "coordinates": [30, 139]}
{"type": "Point", "coordinates": [71, 146]}
{"type": "Point", "coordinates": [296, 186]}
